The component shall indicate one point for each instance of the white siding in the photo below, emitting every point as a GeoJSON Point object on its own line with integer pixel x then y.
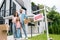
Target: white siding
{"type": "Point", "coordinates": [7, 11]}
{"type": "Point", "coordinates": [17, 5]}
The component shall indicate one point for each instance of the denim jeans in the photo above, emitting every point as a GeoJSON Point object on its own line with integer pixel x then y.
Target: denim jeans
{"type": "Point", "coordinates": [24, 30]}
{"type": "Point", "coordinates": [14, 30]}
{"type": "Point", "coordinates": [18, 35]}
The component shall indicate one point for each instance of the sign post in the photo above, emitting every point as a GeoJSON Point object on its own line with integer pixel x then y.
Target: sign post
{"type": "Point", "coordinates": [46, 23]}
{"type": "Point", "coordinates": [31, 24]}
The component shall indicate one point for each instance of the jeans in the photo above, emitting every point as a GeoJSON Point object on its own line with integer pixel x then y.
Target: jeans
{"type": "Point", "coordinates": [23, 27]}
{"type": "Point", "coordinates": [18, 35]}
{"type": "Point", "coordinates": [14, 30]}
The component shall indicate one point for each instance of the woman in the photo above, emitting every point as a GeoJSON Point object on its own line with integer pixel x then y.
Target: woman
{"type": "Point", "coordinates": [16, 24]}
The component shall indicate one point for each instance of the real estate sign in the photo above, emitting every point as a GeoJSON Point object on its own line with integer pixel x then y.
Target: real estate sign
{"type": "Point", "coordinates": [38, 17]}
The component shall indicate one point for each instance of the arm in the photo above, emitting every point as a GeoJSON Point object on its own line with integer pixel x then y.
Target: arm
{"type": "Point", "coordinates": [26, 16]}
{"type": "Point", "coordinates": [8, 17]}
{"type": "Point", "coordinates": [26, 20]}
{"type": "Point", "coordinates": [18, 13]}
{"type": "Point", "coordinates": [13, 19]}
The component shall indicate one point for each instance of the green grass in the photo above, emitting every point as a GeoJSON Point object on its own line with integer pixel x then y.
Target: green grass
{"type": "Point", "coordinates": [39, 37]}
{"type": "Point", "coordinates": [44, 37]}
{"type": "Point", "coordinates": [55, 36]}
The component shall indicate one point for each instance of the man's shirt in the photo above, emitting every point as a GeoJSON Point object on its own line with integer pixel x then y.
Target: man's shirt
{"type": "Point", "coordinates": [22, 16]}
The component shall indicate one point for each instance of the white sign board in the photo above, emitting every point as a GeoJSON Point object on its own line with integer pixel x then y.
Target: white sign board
{"type": "Point", "coordinates": [38, 17]}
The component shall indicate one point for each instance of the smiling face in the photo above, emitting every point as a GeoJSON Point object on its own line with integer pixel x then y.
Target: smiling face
{"type": "Point", "coordinates": [15, 14]}
{"type": "Point", "coordinates": [21, 10]}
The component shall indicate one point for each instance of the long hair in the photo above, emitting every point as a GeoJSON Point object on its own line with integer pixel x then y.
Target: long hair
{"type": "Point", "coordinates": [15, 14]}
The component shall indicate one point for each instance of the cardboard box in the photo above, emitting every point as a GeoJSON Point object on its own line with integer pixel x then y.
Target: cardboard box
{"type": "Point", "coordinates": [26, 21]}
{"type": "Point", "coordinates": [3, 31]}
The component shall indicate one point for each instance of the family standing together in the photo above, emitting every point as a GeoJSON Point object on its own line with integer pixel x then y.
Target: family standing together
{"type": "Point", "coordinates": [18, 24]}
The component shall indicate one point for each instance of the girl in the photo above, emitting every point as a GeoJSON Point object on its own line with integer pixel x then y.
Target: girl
{"type": "Point", "coordinates": [18, 27]}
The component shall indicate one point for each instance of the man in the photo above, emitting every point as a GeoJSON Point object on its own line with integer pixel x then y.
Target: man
{"type": "Point", "coordinates": [23, 16]}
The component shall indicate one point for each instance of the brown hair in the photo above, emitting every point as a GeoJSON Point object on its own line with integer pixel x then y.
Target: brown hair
{"type": "Point", "coordinates": [15, 14]}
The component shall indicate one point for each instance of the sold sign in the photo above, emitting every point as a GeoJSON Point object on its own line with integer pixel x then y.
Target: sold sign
{"type": "Point", "coordinates": [38, 17]}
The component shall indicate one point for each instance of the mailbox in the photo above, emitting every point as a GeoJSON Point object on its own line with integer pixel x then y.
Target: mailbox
{"type": "Point", "coordinates": [31, 24]}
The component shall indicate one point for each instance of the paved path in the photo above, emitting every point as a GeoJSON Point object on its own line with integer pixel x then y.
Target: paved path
{"type": "Point", "coordinates": [12, 38]}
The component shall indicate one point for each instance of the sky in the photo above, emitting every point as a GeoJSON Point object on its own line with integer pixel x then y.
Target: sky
{"type": "Point", "coordinates": [49, 3]}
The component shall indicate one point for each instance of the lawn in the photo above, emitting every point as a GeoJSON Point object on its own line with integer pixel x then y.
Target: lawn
{"type": "Point", "coordinates": [43, 37]}
{"type": "Point", "coordinates": [55, 36]}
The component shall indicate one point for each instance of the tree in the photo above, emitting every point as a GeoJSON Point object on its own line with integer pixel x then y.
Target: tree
{"type": "Point", "coordinates": [53, 8]}
{"type": "Point", "coordinates": [41, 6]}
{"type": "Point", "coordinates": [32, 3]}
{"type": "Point", "coordinates": [55, 17]}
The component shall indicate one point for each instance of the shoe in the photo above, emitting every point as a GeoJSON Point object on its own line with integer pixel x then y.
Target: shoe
{"type": "Point", "coordinates": [14, 38]}
{"type": "Point", "coordinates": [20, 38]}
{"type": "Point", "coordinates": [26, 38]}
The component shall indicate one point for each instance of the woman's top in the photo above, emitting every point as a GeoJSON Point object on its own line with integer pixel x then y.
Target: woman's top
{"type": "Point", "coordinates": [18, 24]}
{"type": "Point", "coordinates": [14, 19]}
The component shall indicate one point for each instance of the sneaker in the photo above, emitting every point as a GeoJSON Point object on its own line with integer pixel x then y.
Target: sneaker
{"type": "Point", "coordinates": [20, 38]}
{"type": "Point", "coordinates": [26, 38]}
{"type": "Point", "coordinates": [14, 38]}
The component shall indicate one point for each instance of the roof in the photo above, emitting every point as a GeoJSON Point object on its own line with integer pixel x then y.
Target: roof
{"type": "Point", "coordinates": [49, 20]}
{"type": "Point", "coordinates": [21, 3]}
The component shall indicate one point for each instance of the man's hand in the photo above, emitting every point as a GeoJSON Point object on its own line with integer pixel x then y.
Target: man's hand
{"type": "Point", "coordinates": [26, 21]}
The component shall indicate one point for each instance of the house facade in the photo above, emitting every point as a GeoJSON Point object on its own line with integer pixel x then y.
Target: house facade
{"type": "Point", "coordinates": [8, 7]}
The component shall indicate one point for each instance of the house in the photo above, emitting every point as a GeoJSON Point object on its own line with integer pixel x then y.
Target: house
{"type": "Point", "coordinates": [35, 8]}
{"type": "Point", "coordinates": [8, 7]}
